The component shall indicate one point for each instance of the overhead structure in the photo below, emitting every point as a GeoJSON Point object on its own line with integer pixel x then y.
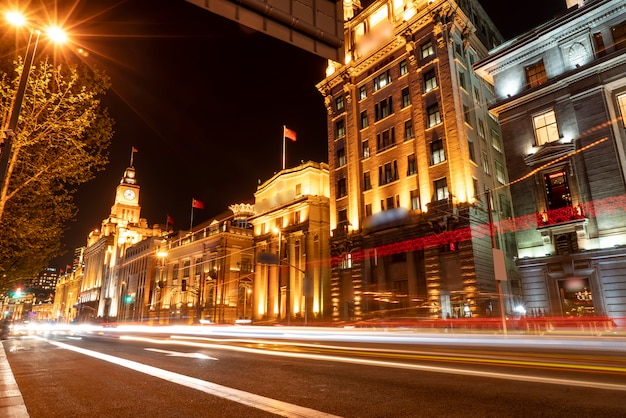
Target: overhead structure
{"type": "Point", "coordinates": [313, 25]}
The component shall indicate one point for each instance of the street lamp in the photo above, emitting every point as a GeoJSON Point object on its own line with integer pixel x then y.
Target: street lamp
{"type": "Point", "coordinates": [56, 35]}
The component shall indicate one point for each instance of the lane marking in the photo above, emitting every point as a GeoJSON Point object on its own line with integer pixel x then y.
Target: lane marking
{"type": "Point", "coordinates": [179, 354]}
{"type": "Point", "coordinates": [382, 363]}
{"type": "Point", "coordinates": [273, 406]}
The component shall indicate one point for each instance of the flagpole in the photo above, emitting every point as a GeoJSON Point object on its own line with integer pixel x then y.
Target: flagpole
{"type": "Point", "coordinates": [191, 222]}
{"type": "Point", "coordinates": [284, 146]}
{"type": "Point", "coordinates": [132, 153]}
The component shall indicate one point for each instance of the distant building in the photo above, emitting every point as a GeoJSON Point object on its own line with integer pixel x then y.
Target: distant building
{"type": "Point", "coordinates": [412, 152]}
{"type": "Point", "coordinates": [561, 102]}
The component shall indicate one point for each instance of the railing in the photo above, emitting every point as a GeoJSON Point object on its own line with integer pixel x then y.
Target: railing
{"type": "Point", "coordinates": [561, 215]}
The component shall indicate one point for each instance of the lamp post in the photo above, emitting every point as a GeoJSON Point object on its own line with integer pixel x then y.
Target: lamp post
{"type": "Point", "coordinates": [56, 35]}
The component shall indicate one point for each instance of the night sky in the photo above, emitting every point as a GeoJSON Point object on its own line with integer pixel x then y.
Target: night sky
{"type": "Point", "coordinates": [204, 99]}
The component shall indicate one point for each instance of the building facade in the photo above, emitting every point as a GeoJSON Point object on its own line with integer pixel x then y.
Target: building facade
{"type": "Point", "coordinates": [412, 152]}
{"type": "Point", "coordinates": [561, 102]}
{"type": "Point", "coordinates": [291, 232]}
{"type": "Point", "coordinates": [102, 286]}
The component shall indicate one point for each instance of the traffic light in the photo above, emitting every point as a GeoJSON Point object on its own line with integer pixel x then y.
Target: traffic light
{"type": "Point", "coordinates": [129, 298]}
{"type": "Point", "coordinates": [18, 292]}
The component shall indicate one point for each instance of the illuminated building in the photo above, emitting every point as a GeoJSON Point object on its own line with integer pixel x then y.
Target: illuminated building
{"type": "Point", "coordinates": [68, 290]}
{"type": "Point", "coordinates": [103, 285]}
{"type": "Point", "coordinates": [412, 151]}
{"type": "Point", "coordinates": [291, 230]}
{"type": "Point", "coordinates": [561, 103]}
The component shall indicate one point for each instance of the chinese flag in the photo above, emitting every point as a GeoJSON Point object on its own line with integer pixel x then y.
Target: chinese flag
{"type": "Point", "coordinates": [135, 149]}
{"type": "Point", "coordinates": [197, 204]}
{"type": "Point", "coordinates": [170, 220]}
{"type": "Point", "coordinates": [289, 134]}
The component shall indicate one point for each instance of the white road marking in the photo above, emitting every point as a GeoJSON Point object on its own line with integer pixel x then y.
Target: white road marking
{"type": "Point", "coordinates": [273, 406]}
{"type": "Point", "coordinates": [179, 354]}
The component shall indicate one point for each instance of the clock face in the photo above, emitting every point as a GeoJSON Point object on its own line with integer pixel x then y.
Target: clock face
{"type": "Point", "coordinates": [129, 194]}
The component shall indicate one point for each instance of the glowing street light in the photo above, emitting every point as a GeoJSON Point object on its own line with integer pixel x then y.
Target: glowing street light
{"type": "Point", "coordinates": [56, 35]}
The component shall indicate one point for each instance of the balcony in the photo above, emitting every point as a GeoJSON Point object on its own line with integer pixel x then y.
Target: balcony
{"type": "Point", "coordinates": [560, 216]}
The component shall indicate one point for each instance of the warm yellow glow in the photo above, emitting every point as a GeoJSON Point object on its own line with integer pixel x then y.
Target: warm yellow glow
{"type": "Point", "coordinates": [57, 35]}
{"type": "Point", "coordinates": [378, 16]}
{"type": "Point", "coordinates": [162, 254]}
{"type": "Point", "coordinates": [15, 18]}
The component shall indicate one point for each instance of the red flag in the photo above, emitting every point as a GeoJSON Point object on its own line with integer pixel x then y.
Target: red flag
{"type": "Point", "coordinates": [135, 149]}
{"type": "Point", "coordinates": [288, 133]}
{"type": "Point", "coordinates": [170, 220]}
{"type": "Point", "coordinates": [197, 204]}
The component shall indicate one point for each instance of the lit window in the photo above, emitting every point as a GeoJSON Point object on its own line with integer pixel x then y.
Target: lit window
{"type": "Point", "coordinates": [415, 200]}
{"type": "Point", "coordinates": [500, 176]}
{"type": "Point", "coordinates": [427, 49]}
{"type": "Point", "coordinates": [362, 92]}
{"type": "Point", "coordinates": [496, 141]}
{"type": "Point", "coordinates": [339, 106]}
{"type": "Point", "coordinates": [430, 81]}
{"type": "Point", "coordinates": [437, 154]}
{"type": "Point", "coordinates": [382, 80]}
{"type": "Point", "coordinates": [536, 74]}
{"type": "Point", "coordinates": [434, 117]}
{"type": "Point", "coordinates": [403, 68]}
{"type": "Point", "coordinates": [441, 189]}
{"type": "Point", "coordinates": [365, 148]}
{"type": "Point", "coordinates": [546, 129]}
{"type": "Point", "coordinates": [557, 190]}
{"type": "Point", "coordinates": [621, 102]}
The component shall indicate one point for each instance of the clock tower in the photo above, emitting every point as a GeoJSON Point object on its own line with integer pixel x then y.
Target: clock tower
{"type": "Point", "coordinates": [126, 208]}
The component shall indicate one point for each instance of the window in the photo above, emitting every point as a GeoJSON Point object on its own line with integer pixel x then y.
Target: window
{"type": "Point", "coordinates": [340, 128]}
{"type": "Point", "coordinates": [339, 105]}
{"type": "Point", "coordinates": [298, 189]}
{"type": "Point", "coordinates": [467, 115]}
{"type": "Point", "coordinates": [364, 121]}
{"type": "Point", "coordinates": [342, 217]}
{"type": "Point", "coordinates": [198, 263]}
{"type": "Point", "coordinates": [430, 81]}
{"type": "Point", "coordinates": [411, 165]}
{"type": "Point", "coordinates": [388, 173]}
{"type": "Point", "coordinates": [365, 148]}
{"type": "Point", "coordinates": [546, 129]}
{"type": "Point", "coordinates": [434, 117]}
{"type": "Point", "coordinates": [476, 188]}
{"type": "Point", "coordinates": [390, 202]}
{"type": "Point", "coordinates": [186, 265]}
{"type": "Point", "coordinates": [175, 272]}
{"type": "Point", "coordinates": [427, 49]}
{"type": "Point", "coordinates": [598, 44]}
{"type": "Point", "coordinates": [619, 35]}
{"type": "Point", "coordinates": [458, 49]}
{"type": "Point", "coordinates": [437, 154]}
{"type": "Point", "coordinates": [486, 168]}
{"type": "Point", "coordinates": [472, 151]}
{"type": "Point", "coordinates": [367, 182]}
{"type": "Point", "coordinates": [500, 176]}
{"type": "Point", "coordinates": [462, 80]}
{"type": "Point", "coordinates": [341, 157]}
{"type": "Point", "coordinates": [415, 200]}
{"type": "Point", "coordinates": [368, 209]}
{"type": "Point", "coordinates": [341, 188]}
{"type": "Point", "coordinates": [408, 130]}
{"type": "Point", "coordinates": [362, 92]}
{"type": "Point", "coordinates": [557, 190]}
{"type": "Point", "coordinates": [383, 108]}
{"type": "Point", "coordinates": [382, 80]}
{"type": "Point", "coordinates": [476, 95]}
{"type": "Point", "coordinates": [621, 103]}
{"type": "Point", "coordinates": [406, 97]}
{"type": "Point", "coordinates": [481, 128]}
{"type": "Point", "coordinates": [441, 189]}
{"type": "Point", "coordinates": [496, 142]}
{"type": "Point", "coordinates": [403, 68]}
{"type": "Point", "coordinates": [536, 74]}
{"type": "Point", "coordinates": [385, 139]}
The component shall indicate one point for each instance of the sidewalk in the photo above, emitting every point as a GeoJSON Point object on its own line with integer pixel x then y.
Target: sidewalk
{"type": "Point", "coordinates": [11, 401]}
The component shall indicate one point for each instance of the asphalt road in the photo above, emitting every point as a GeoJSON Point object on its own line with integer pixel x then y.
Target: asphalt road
{"type": "Point", "coordinates": [137, 375]}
